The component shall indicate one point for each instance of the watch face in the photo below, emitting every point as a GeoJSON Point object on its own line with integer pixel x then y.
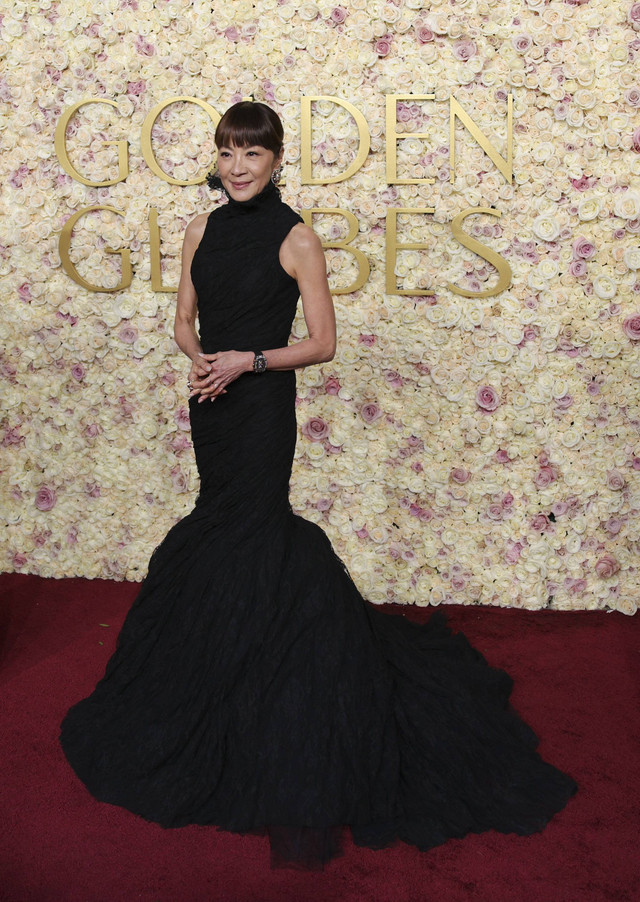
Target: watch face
{"type": "Point", "coordinates": [259, 363]}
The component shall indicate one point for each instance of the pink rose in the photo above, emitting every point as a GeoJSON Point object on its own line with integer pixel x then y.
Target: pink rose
{"type": "Point", "coordinates": [544, 477]}
{"type": "Point", "coordinates": [513, 552]}
{"type": "Point", "coordinates": [636, 140]}
{"type": "Point", "coordinates": [634, 16]}
{"type": "Point", "coordinates": [370, 412]}
{"type": "Point", "coordinates": [394, 379]}
{"type": "Point", "coordinates": [143, 47]}
{"type": "Point", "coordinates": [179, 443]}
{"type": "Point", "coordinates": [179, 481]}
{"type": "Point", "coordinates": [460, 475]}
{"type": "Point", "coordinates": [368, 340]}
{"type": "Point", "coordinates": [487, 398]}
{"type": "Point", "coordinates": [540, 523]}
{"type": "Point", "coordinates": [578, 269]}
{"type": "Point", "coordinates": [338, 15]}
{"type": "Point", "coordinates": [583, 183]}
{"type": "Point", "coordinates": [583, 249]}
{"type": "Point", "coordinates": [613, 526]}
{"type": "Point", "coordinates": [615, 480]}
{"type": "Point", "coordinates": [383, 45]}
{"type": "Point", "coordinates": [632, 96]}
{"type": "Point", "coordinates": [507, 501]}
{"type": "Point", "coordinates": [607, 566]}
{"type": "Point", "coordinates": [181, 419]}
{"type": "Point", "coordinates": [136, 88]}
{"type": "Point", "coordinates": [316, 429]}
{"type": "Point", "coordinates": [78, 372]}
{"type": "Point", "coordinates": [19, 560]}
{"type": "Point", "coordinates": [46, 498]}
{"type": "Point", "coordinates": [128, 334]}
{"type": "Point", "coordinates": [575, 586]}
{"type": "Point", "coordinates": [631, 327]}
{"type": "Point", "coordinates": [502, 456]}
{"type": "Point", "coordinates": [495, 511]}
{"type": "Point", "coordinates": [464, 49]}
{"type": "Point", "coordinates": [92, 490]}
{"type": "Point", "coordinates": [424, 35]}
{"type": "Point", "coordinates": [565, 402]}
{"type": "Point", "coordinates": [24, 293]}
{"type": "Point", "coordinates": [12, 437]}
{"type": "Point", "coordinates": [559, 508]}
{"type": "Point", "coordinates": [521, 42]}
{"type": "Point", "coordinates": [332, 386]}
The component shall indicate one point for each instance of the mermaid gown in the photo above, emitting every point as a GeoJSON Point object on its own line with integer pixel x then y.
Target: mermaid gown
{"type": "Point", "coordinates": [252, 688]}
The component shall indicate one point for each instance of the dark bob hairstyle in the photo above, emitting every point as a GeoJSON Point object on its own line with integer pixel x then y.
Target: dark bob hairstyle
{"type": "Point", "coordinates": [250, 124]}
{"type": "Point", "coordinates": [247, 124]}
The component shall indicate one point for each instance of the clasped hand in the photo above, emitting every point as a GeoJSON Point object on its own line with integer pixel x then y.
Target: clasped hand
{"type": "Point", "coordinates": [211, 373]}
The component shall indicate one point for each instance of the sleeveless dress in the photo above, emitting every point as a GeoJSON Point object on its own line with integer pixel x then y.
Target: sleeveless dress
{"type": "Point", "coordinates": [252, 688]}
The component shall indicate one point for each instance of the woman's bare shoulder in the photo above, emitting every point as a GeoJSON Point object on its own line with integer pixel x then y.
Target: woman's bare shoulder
{"type": "Point", "coordinates": [194, 232]}
{"type": "Point", "coordinates": [196, 227]}
{"type": "Point", "coordinates": [301, 239]}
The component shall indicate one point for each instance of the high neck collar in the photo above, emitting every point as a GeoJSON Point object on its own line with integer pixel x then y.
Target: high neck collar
{"type": "Point", "coordinates": [269, 194]}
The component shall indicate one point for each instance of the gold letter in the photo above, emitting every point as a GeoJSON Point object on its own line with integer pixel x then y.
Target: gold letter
{"type": "Point", "coordinates": [60, 143]}
{"type": "Point", "coordinates": [156, 259]}
{"type": "Point", "coordinates": [393, 137]}
{"type": "Point", "coordinates": [361, 260]}
{"type": "Point", "coordinates": [393, 247]}
{"type": "Point", "coordinates": [505, 166]}
{"type": "Point", "coordinates": [305, 140]}
{"type": "Point", "coordinates": [483, 251]}
{"type": "Point", "coordinates": [145, 137]}
{"type": "Point", "coordinates": [64, 247]}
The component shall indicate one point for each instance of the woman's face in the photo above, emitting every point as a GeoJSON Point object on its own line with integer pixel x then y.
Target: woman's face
{"type": "Point", "coordinates": [245, 171]}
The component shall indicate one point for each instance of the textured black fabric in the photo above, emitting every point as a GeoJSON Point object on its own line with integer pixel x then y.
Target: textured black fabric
{"type": "Point", "coordinates": [252, 687]}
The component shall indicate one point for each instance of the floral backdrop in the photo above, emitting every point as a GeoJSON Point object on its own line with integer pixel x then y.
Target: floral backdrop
{"type": "Point", "coordinates": [480, 449]}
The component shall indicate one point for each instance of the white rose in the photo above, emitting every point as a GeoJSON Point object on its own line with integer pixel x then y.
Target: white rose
{"type": "Point", "coordinates": [604, 287]}
{"type": "Point", "coordinates": [631, 257]}
{"type": "Point", "coordinates": [588, 209]}
{"type": "Point", "coordinates": [627, 205]}
{"type": "Point", "coordinates": [571, 438]}
{"type": "Point", "coordinates": [502, 352]}
{"type": "Point", "coordinates": [546, 227]}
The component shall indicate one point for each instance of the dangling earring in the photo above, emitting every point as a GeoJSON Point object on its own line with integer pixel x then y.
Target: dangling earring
{"type": "Point", "coordinates": [276, 175]}
{"type": "Point", "coordinates": [214, 181]}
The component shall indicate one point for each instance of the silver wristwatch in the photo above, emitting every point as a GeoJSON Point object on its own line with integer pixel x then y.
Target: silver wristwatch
{"type": "Point", "coordinates": [259, 362]}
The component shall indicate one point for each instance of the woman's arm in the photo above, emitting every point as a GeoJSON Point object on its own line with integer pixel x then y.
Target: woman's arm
{"type": "Point", "coordinates": [187, 306]}
{"type": "Point", "coordinates": [302, 257]}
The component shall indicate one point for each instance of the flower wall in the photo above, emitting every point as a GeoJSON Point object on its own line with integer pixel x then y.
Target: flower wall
{"type": "Point", "coordinates": [468, 449]}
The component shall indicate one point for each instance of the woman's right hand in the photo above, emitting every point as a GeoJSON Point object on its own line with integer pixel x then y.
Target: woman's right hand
{"type": "Point", "coordinates": [198, 373]}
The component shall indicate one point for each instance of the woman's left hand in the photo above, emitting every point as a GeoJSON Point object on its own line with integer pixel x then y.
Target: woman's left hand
{"type": "Point", "coordinates": [226, 366]}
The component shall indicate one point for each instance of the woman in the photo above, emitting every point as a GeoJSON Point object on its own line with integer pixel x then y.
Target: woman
{"type": "Point", "coordinates": [252, 688]}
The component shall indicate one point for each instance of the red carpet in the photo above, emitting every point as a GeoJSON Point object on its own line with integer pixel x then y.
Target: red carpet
{"type": "Point", "coordinates": [576, 683]}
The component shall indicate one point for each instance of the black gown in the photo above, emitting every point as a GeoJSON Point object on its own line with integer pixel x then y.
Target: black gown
{"type": "Point", "coordinates": [252, 688]}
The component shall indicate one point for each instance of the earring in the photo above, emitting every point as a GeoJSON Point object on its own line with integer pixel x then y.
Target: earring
{"type": "Point", "coordinates": [276, 175]}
